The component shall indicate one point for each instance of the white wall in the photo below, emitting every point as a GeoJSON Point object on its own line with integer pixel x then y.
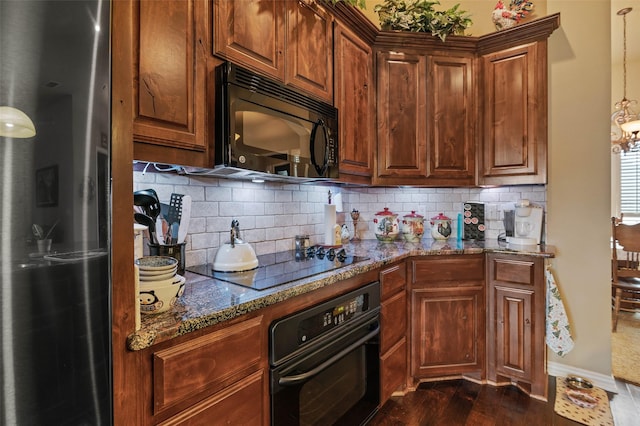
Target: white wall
{"type": "Point", "coordinates": [578, 192]}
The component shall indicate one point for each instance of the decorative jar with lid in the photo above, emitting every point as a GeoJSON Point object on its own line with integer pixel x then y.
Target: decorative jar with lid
{"type": "Point", "coordinates": [412, 227]}
{"type": "Point", "coordinates": [440, 227]}
{"type": "Point", "coordinates": [385, 225]}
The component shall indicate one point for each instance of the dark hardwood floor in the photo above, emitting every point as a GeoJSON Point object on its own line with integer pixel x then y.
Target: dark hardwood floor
{"type": "Point", "coordinates": [460, 402]}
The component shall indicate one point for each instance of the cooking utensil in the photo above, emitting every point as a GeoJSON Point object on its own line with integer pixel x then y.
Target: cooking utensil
{"type": "Point", "coordinates": [175, 208]}
{"type": "Point", "coordinates": [148, 200]}
{"type": "Point", "coordinates": [185, 218]}
{"type": "Point", "coordinates": [175, 226]}
{"type": "Point", "coordinates": [174, 215]}
{"type": "Point", "coordinates": [145, 220]}
{"type": "Point", "coordinates": [160, 233]}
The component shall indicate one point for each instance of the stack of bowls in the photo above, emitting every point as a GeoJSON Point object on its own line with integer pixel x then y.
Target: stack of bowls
{"type": "Point", "coordinates": [160, 285]}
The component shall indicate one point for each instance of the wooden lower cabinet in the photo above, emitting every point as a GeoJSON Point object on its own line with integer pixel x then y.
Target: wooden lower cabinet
{"type": "Point", "coordinates": [393, 339]}
{"type": "Point", "coordinates": [447, 316]}
{"type": "Point", "coordinates": [516, 322]}
{"type": "Point", "coordinates": [447, 334]}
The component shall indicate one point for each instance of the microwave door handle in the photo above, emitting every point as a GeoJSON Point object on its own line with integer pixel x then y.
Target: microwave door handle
{"type": "Point", "coordinates": [320, 169]}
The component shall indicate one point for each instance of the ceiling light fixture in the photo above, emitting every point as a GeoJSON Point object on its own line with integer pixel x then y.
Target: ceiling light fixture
{"type": "Point", "coordinates": [15, 123]}
{"type": "Point", "coordinates": [625, 123]}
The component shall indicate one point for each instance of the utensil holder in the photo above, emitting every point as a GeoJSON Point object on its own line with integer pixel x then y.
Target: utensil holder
{"type": "Point", "coordinates": [177, 251]}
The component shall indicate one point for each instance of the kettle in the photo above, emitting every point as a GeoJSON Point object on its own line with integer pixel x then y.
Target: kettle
{"type": "Point", "coordinates": [235, 255]}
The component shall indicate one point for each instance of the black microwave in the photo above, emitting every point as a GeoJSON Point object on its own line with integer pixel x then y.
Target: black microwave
{"type": "Point", "coordinates": [266, 127]}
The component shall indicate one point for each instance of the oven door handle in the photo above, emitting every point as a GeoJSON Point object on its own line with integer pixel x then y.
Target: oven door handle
{"type": "Point", "coordinates": [302, 377]}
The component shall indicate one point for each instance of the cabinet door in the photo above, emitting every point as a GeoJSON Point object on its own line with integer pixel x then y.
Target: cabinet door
{"type": "Point", "coordinates": [447, 331]}
{"type": "Point", "coordinates": [354, 98]}
{"type": "Point", "coordinates": [169, 80]}
{"type": "Point", "coordinates": [450, 123]}
{"type": "Point", "coordinates": [251, 33]}
{"type": "Point", "coordinates": [401, 100]}
{"type": "Point", "coordinates": [514, 116]}
{"type": "Point", "coordinates": [309, 49]}
{"type": "Point", "coordinates": [514, 323]}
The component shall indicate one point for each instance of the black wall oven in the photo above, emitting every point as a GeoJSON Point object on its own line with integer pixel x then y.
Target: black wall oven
{"type": "Point", "coordinates": [265, 126]}
{"type": "Point", "coordinates": [325, 367]}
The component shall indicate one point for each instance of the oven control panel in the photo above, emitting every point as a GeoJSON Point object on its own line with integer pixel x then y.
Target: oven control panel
{"type": "Point", "coordinates": [289, 334]}
{"type": "Point", "coordinates": [324, 321]}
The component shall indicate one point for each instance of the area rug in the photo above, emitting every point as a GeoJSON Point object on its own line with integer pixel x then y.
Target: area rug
{"type": "Point", "coordinates": [600, 415]}
{"type": "Point", "coordinates": [625, 348]}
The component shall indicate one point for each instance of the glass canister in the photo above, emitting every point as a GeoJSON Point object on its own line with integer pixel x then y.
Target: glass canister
{"type": "Point", "coordinates": [440, 227]}
{"type": "Point", "coordinates": [386, 225]}
{"type": "Point", "coordinates": [412, 227]}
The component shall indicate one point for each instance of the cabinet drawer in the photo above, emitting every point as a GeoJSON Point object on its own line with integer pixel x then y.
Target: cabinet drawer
{"type": "Point", "coordinates": [206, 364]}
{"type": "Point", "coordinates": [240, 404]}
{"type": "Point", "coordinates": [393, 370]}
{"type": "Point", "coordinates": [443, 269]}
{"type": "Point", "coordinates": [393, 317]}
{"type": "Point", "coordinates": [516, 271]}
{"type": "Point", "coordinates": [392, 279]}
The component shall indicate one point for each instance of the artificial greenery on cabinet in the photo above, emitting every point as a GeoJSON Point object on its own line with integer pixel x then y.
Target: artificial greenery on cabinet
{"type": "Point", "coordinates": [418, 16]}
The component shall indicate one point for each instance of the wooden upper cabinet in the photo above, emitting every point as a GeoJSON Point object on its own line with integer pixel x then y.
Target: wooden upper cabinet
{"type": "Point", "coordinates": [309, 54]}
{"type": "Point", "coordinates": [354, 98]}
{"type": "Point", "coordinates": [514, 115]}
{"type": "Point", "coordinates": [401, 103]}
{"type": "Point", "coordinates": [425, 119]}
{"type": "Point", "coordinates": [251, 33]}
{"type": "Point", "coordinates": [450, 120]}
{"type": "Point", "coordinates": [290, 41]}
{"type": "Point", "coordinates": [169, 80]}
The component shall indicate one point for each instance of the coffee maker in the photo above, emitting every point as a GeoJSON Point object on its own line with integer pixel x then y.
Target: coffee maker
{"type": "Point", "coordinates": [523, 226]}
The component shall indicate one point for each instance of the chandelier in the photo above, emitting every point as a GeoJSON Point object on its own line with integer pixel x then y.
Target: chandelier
{"type": "Point", "coordinates": [625, 123]}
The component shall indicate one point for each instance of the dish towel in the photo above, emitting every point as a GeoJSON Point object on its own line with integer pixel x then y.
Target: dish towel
{"type": "Point", "coordinates": [558, 333]}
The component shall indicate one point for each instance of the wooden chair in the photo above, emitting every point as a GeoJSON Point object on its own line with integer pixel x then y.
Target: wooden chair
{"type": "Point", "coordinates": [625, 268]}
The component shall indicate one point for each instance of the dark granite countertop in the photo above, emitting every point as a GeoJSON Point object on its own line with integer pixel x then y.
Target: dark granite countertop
{"type": "Point", "coordinates": [207, 301]}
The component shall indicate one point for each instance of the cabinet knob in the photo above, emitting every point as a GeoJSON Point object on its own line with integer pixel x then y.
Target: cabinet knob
{"type": "Point", "coordinates": [527, 321]}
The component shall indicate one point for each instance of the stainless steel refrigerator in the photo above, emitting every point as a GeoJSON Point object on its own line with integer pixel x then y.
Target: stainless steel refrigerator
{"type": "Point", "coordinates": [55, 309]}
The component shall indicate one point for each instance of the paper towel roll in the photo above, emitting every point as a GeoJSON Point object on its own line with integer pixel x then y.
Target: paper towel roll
{"type": "Point", "coordinates": [329, 224]}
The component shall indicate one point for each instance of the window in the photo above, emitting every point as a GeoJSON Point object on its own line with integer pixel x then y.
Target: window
{"type": "Point", "coordinates": [630, 185]}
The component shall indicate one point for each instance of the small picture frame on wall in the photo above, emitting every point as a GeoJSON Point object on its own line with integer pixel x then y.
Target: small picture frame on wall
{"type": "Point", "coordinates": [47, 186]}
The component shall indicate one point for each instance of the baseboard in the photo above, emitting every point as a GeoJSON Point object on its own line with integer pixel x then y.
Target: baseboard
{"type": "Point", "coordinates": [606, 382]}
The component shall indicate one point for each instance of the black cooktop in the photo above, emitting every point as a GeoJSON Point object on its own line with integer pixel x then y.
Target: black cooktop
{"type": "Point", "coordinates": [283, 267]}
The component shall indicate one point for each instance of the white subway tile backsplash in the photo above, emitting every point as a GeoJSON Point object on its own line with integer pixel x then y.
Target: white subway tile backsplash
{"type": "Point", "coordinates": [216, 193]}
{"type": "Point", "coordinates": [272, 214]}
